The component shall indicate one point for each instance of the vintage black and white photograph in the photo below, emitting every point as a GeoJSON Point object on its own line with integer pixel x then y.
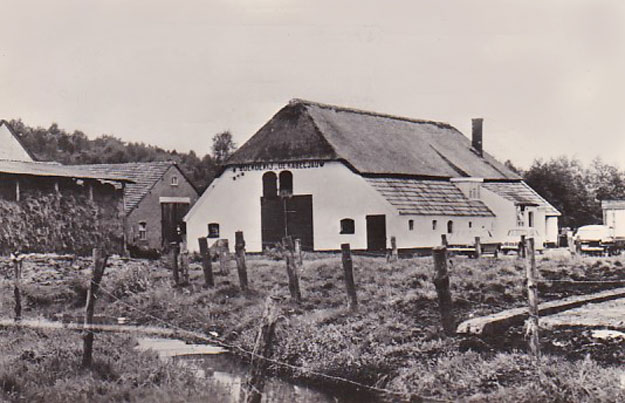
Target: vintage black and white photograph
{"type": "Point", "coordinates": [246, 201]}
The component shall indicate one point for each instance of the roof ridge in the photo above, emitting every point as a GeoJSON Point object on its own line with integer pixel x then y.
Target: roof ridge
{"type": "Point", "coordinates": [370, 113]}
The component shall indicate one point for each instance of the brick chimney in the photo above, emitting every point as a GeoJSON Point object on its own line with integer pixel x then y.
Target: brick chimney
{"type": "Point", "coordinates": [476, 124]}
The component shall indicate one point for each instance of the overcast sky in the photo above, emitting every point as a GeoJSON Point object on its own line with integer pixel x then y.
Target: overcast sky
{"type": "Point", "coordinates": [548, 77]}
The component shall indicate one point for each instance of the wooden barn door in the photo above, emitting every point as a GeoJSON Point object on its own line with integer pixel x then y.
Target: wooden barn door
{"type": "Point", "coordinates": [171, 218]}
{"type": "Point", "coordinates": [297, 219]}
{"type": "Point", "coordinates": [376, 233]}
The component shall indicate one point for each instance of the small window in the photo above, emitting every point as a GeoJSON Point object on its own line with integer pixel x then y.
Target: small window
{"type": "Point", "coordinates": [286, 183]}
{"type": "Point", "coordinates": [174, 180]}
{"type": "Point", "coordinates": [450, 227]}
{"type": "Point", "coordinates": [142, 231]}
{"type": "Point", "coordinates": [347, 226]}
{"type": "Point", "coordinates": [213, 230]}
{"type": "Point", "coordinates": [410, 225]}
{"type": "Point", "coordinates": [530, 219]}
{"type": "Point", "coordinates": [434, 225]}
{"type": "Point", "coordinates": [470, 224]}
{"type": "Point", "coordinates": [270, 184]}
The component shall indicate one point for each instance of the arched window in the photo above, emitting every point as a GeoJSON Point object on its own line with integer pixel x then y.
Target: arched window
{"type": "Point", "coordinates": [213, 230]}
{"type": "Point", "coordinates": [347, 226]}
{"type": "Point", "coordinates": [286, 183]}
{"type": "Point", "coordinates": [410, 225]}
{"type": "Point", "coordinates": [470, 224]}
{"type": "Point", "coordinates": [270, 184]}
{"type": "Point", "coordinates": [434, 225]}
{"type": "Point", "coordinates": [450, 227]}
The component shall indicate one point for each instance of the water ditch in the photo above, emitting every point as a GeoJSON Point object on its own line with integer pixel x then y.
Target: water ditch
{"type": "Point", "coordinates": [226, 371]}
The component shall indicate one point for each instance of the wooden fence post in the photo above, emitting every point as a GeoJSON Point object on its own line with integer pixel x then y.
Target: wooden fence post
{"type": "Point", "coordinates": [444, 240]}
{"type": "Point", "coordinates": [348, 275]}
{"type": "Point", "coordinates": [17, 268]}
{"type": "Point", "coordinates": [532, 298]}
{"type": "Point", "coordinates": [207, 266]}
{"type": "Point", "coordinates": [99, 264]}
{"type": "Point", "coordinates": [224, 250]}
{"type": "Point", "coordinates": [173, 260]}
{"type": "Point", "coordinates": [298, 251]}
{"type": "Point", "coordinates": [252, 390]}
{"type": "Point", "coordinates": [292, 268]}
{"type": "Point", "coordinates": [239, 248]}
{"type": "Point", "coordinates": [441, 281]}
{"type": "Point", "coordinates": [394, 253]}
{"type": "Point", "coordinates": [522, 246]}
{"type": "Point", "coordinates": [184, 263]}
{"type": "Point", "coordinates": [478, 248]}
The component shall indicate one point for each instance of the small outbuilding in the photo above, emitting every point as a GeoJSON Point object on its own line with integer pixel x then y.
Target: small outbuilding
{"type": "Point", "coordinates": [154, 204]}
{"type": "Point", "coordinates": [330, 175]}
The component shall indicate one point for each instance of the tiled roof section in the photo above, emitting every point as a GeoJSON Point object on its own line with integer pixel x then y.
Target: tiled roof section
{"type": "Point", "coordinates": [56, 170]}
{"type": "Point", "coordinates": [521, 194]}
{"type": "Point", "coordinates": [428, 197]}
{"type": "Point", "coordinates": [144, 174]}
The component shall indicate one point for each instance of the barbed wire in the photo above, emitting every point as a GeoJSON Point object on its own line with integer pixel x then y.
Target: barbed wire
{"type": "Point", "coordinates": [253, 354]}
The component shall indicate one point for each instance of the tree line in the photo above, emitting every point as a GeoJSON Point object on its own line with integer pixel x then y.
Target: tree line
{"type": "Point", "coordinates": [56, 144]}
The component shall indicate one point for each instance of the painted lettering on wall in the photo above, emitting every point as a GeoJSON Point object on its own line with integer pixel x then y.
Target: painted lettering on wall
{"type": "Point", "coordinates": [270, 166]}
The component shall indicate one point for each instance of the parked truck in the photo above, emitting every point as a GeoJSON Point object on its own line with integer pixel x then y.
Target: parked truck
{"type": "Point", "coordinates": [598, 240]}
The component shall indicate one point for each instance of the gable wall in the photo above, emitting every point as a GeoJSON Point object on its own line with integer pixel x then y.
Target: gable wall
{"type": "Point", "coordinates": [149, 209]}
{"type": "Point", "coordinates": [11, 148]}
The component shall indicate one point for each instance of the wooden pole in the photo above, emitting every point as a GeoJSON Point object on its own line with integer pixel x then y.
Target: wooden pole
{"type": "Point", "coordinates": [17, 190]}
{"type": "Point", "coordinates": [17, 268]}
{"type": "Point", "coordinates": [184, 266]}
{"type": "Point", "coordinates": [394, 253]}
{"type": "Point", "coordinates": [298, 252]}
{"type": "Point", "coordinates": [521, 252]}
{"type": "Point", "coordinates": [99, 264]}
{"type": "Point", "coordinates": [444, 240]}
{"type": "Point", "coordinates": [252, 390]}
{"type": "Point", "coordinates": [478, 248]}
{"type": "Point", "coordinates": [239, 247]}
{"type": "Point", "coordinates": [348, 275]}
{"type": "Point", "coordinates": [532, 298]}
{"type": "Point", "coordinates": [224, 249]}
{"type": "Point", "coordinates": [292, 269]}
{"type": "Point", "coordinates": [207, 266]}
{"type": "Point", "coordinates": [441, 281]}
{"type": "Point", "coordinates": [173, 259]}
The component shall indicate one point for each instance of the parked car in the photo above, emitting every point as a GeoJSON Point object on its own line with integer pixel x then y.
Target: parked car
{"type": "Point", "coordinates": [513, 240]}
{"type": "Point", "coordinates": [597, 240]}
{"type": "Point", "coordinates": [463, 242]}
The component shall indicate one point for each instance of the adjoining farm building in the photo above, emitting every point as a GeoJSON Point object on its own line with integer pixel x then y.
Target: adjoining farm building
{"type": "Point", "coordinates": [329, 175]}
{"type": "Point", "coordinates": [155, 203]}
{"type": "Point", "coordinates": [49, 207]}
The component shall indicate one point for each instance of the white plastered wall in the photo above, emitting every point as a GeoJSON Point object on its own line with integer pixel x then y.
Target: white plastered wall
{"type": "Point", "coordinates": [11, 148]}
{"type": "Point", "coordinates": [233, 201]}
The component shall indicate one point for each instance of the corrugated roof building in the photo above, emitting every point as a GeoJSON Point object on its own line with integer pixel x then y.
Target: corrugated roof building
{"type": "Point", "coordinates": [329, 175]}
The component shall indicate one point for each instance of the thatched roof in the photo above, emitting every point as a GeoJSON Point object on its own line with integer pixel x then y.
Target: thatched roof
{"type": "Point", "coordinates": [521, 194]}
{"type": "Point", "coordinates": [144, 175]}
{"type": "Point", "coordinates": [369, 142]}
{"type": "Point", "coordinates": [428, 197]}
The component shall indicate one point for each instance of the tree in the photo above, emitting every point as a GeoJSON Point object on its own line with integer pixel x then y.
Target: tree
{"type": "Point", "coordinates": [223, 146]}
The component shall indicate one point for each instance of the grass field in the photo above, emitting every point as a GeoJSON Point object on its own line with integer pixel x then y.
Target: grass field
{"type": "Point", "coordinates": [394, 341]}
